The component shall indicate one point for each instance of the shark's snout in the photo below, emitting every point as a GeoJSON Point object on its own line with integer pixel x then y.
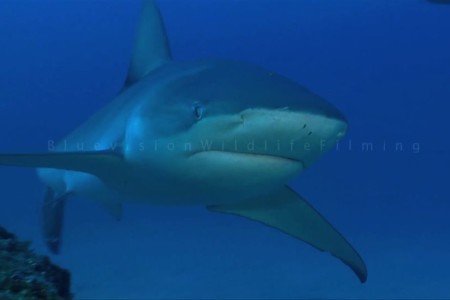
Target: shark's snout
{"type": "Point", "coordinates": [300, 135]}
{"type": "Point", "coordinates": [340, 125]}
{"type": "Point", "coordinates": [319, 133]}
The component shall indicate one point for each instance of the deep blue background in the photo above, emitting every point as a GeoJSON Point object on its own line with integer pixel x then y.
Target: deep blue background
{"type": "Point", "coordinates": [386, 64]}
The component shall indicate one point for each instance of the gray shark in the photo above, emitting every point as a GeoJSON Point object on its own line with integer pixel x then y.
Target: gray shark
{"type": "Point", "coordinates": [227, 135]}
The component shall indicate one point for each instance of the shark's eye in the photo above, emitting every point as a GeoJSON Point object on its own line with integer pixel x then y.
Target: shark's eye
{"type": "Point", "coordinates": [198, 110]}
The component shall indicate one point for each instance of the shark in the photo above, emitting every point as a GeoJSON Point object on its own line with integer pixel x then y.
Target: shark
{"type": "Point", "coordinates": [223, 134]}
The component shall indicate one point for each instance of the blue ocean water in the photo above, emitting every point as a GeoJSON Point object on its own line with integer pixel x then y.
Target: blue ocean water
{"type": "Point", "coordinates": [386, 64]}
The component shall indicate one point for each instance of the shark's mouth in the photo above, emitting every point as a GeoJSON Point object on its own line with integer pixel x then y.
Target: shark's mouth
{"type": "Point", "coordinates": [248, 156]}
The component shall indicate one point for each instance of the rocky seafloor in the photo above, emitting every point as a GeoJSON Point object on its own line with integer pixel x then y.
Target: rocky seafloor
{"type": "Point", "coordinates": [25, 275]}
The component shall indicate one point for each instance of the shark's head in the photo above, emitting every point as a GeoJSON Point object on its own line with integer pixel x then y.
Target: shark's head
{"type": "Point", "coordinates": [236, 125]}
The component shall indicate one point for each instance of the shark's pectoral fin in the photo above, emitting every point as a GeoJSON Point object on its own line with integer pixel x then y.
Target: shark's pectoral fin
{"type": "Point", "coordinates": [287, 211]}
{"type": "Point", "coordinates": [99, 163]}
{"type": "Point", "coordinates": [53, 219]}
{"type": "Point", "coordinates": [151, 49]}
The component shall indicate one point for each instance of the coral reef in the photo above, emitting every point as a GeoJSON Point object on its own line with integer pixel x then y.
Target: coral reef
{"type": "Point", "coordinates": [25, 275]}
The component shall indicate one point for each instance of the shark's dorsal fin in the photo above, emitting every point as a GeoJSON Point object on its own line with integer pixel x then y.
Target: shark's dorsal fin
{"type": "Point", "coordinates": [151, 49]}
